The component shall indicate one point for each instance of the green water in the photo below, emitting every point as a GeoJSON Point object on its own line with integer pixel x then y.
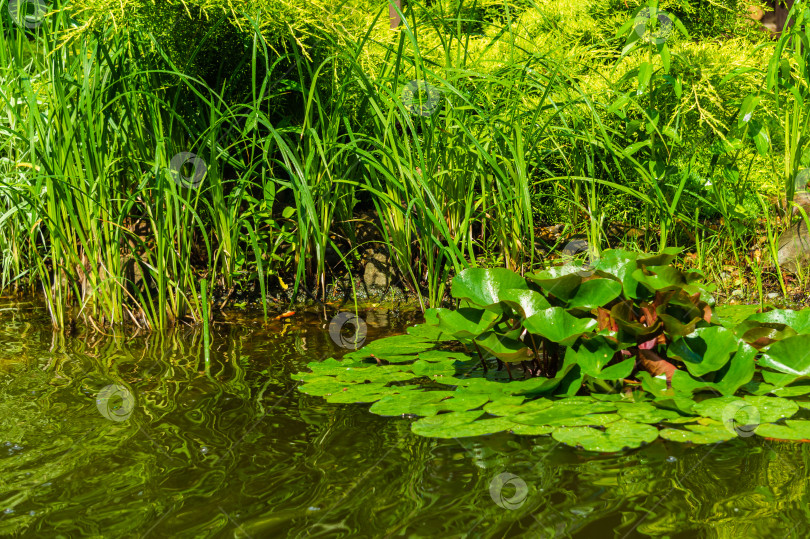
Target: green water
{"type": "Point", "coordinates": [239, 452]}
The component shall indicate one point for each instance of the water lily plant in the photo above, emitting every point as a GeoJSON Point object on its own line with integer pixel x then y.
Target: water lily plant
{"type": "Point", "coordinates": [606, 356]}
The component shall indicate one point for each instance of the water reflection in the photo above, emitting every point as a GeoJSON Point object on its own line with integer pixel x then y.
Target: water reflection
{"type": "Point", "coordinates": [237, 452]}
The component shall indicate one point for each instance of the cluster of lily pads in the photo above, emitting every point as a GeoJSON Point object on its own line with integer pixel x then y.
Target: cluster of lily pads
{"type": "Point", "coordinates": [605, 356]}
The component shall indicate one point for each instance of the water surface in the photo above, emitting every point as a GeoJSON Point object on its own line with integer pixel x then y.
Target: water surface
{"type": "Point", "coordinates": [238, 452]}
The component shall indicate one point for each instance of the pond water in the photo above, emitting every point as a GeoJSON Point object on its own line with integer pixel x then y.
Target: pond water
{"type": "Point", "coordinates": [237, 452]}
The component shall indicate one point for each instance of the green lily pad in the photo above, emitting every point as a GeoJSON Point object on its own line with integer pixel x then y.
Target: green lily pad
{"type": "Point", "coordinates": [363, 393]}
{"type": "Point", "coordinates": [503, 347]}
{"type": "Point", "coordinates": [706, 350]}
{"type": "Point", "coordinates": [642, 412]}
{"type": "Point", "coordinates": [791, 356]}
{"type": "Point", "coordinates": [791, 430]}
{"type": "Point", "coordinates": [797, 320]}
{"type": "Point", "coordinates": [555, 324]}
{"type": "Point", "coordinates": [591, 354]}
{"type": "Point", "coordinates": [761, 409]}
{"type": "Point", "coordinates": [595, 293]}
{"type": "Point", "coordinates": [728, 380]}
{"type": "Point", "coordinates": [531, 430]}
{"type": "Point", "coordinates": [430, 369]}
{"type": "Point", "coordinates": [457, 425]}
{"type": "Point", "coordinates": [396, 346]}
{"type": "Point", "coordinates": [524, 302]}
{"type": "Point", "coordinates": [618, 371]}
{"type": "Point", "coordinates": [466, 323]}
{"type": "Point", "coordinates": [659, 278]}
{"type": "Point", "coordinates": [483, 286]}
{"type": "Point", "coordinates": [617, 436]}
{"type": "Point", "coordinates": [569, 412]}
{"type": "Point", "coordinates": [561, 282]}
{"type": "Point", "coordinates": [699, 434]}
{"type": "Point", "coordinates": [762, 334]}
{"type": "Point", "coordinates": [426, 403]}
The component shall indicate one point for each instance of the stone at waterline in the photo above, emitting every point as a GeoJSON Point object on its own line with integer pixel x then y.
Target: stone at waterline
{"type": "Point", "coordinates": [794, 247]}
{"type": "Point", "coordinates": [378, 270]}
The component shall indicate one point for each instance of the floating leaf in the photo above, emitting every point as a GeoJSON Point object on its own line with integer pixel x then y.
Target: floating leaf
{"type": "Point", "coordinates": [766, 409]}
{"type": "Point", "coordinates": [458, 425]}
{"type": "Point", "coordinates": [699, 434]}
{"type": "Point", "coordinates": [791, 430]}
{"type": "Point", "coordinates": [617, 436]}
{"type": "Point", "coordinates": [642, 412]}
{"type": "Point", "coordinates": [426, 403]}
{"type": "Point", "coordinates": [531, 430]}
{"type": "Point", "coordinates": [569, 412]}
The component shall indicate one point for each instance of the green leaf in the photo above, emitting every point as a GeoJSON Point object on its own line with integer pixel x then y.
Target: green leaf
{"type": "Point", "coordinates": [761, 409]}
{"type": "Point", "coordinates": [466, 323]}
{"type": "Point", "coordinates": [617, 436]}
{"type": "Point", "coordinates": [555, 324]}
{"type": "Point", "coordinates": [591, 354]}
{"type": "Point", "coordinates": [573, 411]}
{"type": "Point", "coordinates": [426, 403]}
{"type": "Point", "coordinates": [791, 430]}
{"type": "Point", "coordinates": [561, 282]}
{"type": "Point", "coordinates": [699, 434]}
{"type": "Point", "coordinates": [798, 320]}
{"type": "Point", "coordinates": [791, 356]}
{"type": "Point", "coordinates": [396, 346]}
{"type": "Point", "coordinates": [643, 412]}
{"type": "Point", "coordinates": [706, 350]}
{"type": "Point", "coordinates": [504, 347]}
{"type": "Point", "coordinates": [525, 302]}
{"type": "Point", "coordinates": [618, 371]}
{"type": "Point", "coordinates": [458, 425]}
{"type": "Point", "coordinates": [595, 293]}
{"type": "Point", "coordinates": [483, 286]}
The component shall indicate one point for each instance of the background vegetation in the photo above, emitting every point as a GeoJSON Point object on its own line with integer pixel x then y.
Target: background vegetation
{"type": "Point", "coordinates": [540, 113]}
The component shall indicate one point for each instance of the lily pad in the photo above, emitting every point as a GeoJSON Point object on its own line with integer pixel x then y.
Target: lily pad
{"type": "Point", "coordinates": [762, 409]}
{"type": "Point", "coordinates": [483, 286]}
{"type": "Point", "coordinates": [706, 350]}
{"type": "Point", "coordinates": [791, 356]}
{"type": "Point", "coordinates": [699, 434]}
{"type": "Point", "coordinates": [594, 293]}
{"type": "Point", "coordinates": [427, 403]}
{"type": "Point", "coordinates": [458, 425]}
{"type": "Point", "coordinates": [617, 436]}
{"type": "Point", "coordinates": [466, 323]}
{"type": "Point", "coordinates": [642, 412]}
{"type": "Point", "coordinates": [555, 324]}
{"type": "Point", "coordinates": [797, 320]}
{"type": "Point", "coordinates": [791, 430]}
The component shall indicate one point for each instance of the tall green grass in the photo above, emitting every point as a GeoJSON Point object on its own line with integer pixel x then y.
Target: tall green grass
{"type": "Point", "coordinates": [94, 214]}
